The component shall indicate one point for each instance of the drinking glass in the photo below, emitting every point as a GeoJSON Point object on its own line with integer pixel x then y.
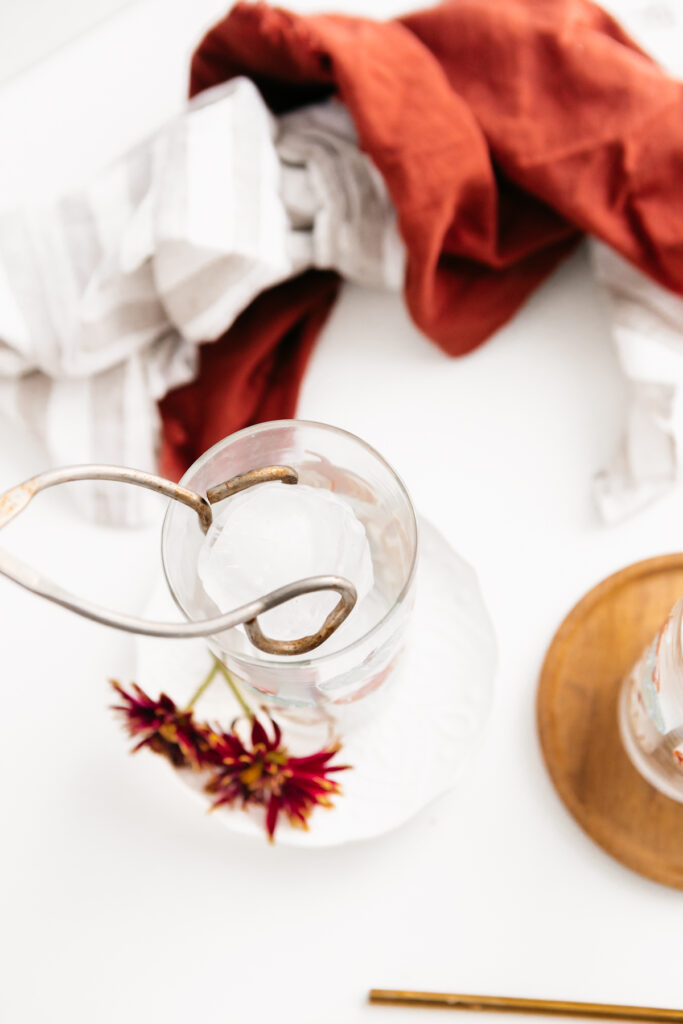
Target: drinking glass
{"type": "Point", "coordinates": [359, 658]}
{"type": "Point", "coordinates": [651, 709]}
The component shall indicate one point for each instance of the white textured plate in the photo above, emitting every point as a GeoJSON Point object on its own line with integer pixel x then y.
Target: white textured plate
{"type": "Point", "coordinates": [432, 715]}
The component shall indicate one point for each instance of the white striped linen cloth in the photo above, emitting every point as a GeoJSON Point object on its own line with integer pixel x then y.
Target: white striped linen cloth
{"type": "Point", "coordinates": [106, 295]}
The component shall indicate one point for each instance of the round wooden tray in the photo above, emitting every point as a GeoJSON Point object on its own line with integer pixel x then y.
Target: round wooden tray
{"type": "Point", "coordinates": [594, 648]}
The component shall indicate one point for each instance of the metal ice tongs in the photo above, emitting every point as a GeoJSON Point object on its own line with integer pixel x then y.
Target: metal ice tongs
{"type": "Point", "coordinates": [14, 501]}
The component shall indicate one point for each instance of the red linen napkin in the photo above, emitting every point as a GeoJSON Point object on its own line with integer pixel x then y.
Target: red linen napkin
{"type": "Point", "coordinates": [252, 373]}
{"type": "Point", "coordinates": [502, 128]}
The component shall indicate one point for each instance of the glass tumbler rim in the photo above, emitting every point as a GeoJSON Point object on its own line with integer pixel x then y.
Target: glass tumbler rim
{"type": "Point", "coordinates": [258, 428]}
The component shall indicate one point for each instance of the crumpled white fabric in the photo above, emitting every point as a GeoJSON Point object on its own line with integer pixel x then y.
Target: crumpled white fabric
{"type": "Point", "coordinates": [647, 327]}
{"type": "Point", "coordinates": [106, 295]}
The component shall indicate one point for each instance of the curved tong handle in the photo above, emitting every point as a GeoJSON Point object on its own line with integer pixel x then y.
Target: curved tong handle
{"type": "Point", "coordinates": [15, 501]}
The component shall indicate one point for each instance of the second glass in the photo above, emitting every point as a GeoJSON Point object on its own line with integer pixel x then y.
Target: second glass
{"type": "Point", "coordinates": [651, 709]}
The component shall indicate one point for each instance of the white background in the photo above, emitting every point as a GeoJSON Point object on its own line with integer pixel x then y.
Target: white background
{"type": "Point", "coordinates": [119, 900]}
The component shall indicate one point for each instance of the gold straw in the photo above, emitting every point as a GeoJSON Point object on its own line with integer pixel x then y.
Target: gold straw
{"type": "Point", "coordinates": [503, 1004]}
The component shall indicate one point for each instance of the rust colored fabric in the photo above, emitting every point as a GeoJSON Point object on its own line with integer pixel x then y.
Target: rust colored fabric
{"type": "Point", "coordinates": [252, 373]}
{"type": "Point", "coordinates": [503, 129]}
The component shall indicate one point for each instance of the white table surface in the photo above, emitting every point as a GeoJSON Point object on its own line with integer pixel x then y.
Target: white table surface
{"type": "Point", "coordinates": [119, 901]}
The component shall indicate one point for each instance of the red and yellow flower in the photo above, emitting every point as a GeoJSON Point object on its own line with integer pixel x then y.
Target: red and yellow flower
{"type": "Point", "coordinates": [256, 770]}
{"type": "Point", "coordinates": [164, 728]}
{"type": "Point", "coordinates": [262, 772]}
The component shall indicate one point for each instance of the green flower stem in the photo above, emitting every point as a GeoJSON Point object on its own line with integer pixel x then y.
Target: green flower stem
{"type": "Point", "coordinates": [235, 689]}
{"type": "Point", "coordinates": [204, 686]}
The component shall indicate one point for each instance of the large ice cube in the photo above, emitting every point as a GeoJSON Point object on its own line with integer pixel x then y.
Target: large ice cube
{"type": "Point", "coordinates": [273, 534]}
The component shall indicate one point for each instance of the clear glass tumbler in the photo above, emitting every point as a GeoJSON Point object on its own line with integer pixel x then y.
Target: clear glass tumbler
{"type": "Point", "coordinates": [651, 709]}
{"type": "Point", "coordinates": [338, 673]}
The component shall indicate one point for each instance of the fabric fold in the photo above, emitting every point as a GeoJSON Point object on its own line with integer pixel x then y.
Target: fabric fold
{"type": "Point", "coordinates": [647, 328]}
{"type": "Point", "coordinates": [259, 362]}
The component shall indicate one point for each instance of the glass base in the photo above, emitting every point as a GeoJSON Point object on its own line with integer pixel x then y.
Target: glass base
{"type": "Point", "coordinates": [431, 713]}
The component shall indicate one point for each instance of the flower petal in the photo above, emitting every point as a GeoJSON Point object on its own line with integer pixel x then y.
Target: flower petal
{"type": "Point", "coordinates": [272, 814]}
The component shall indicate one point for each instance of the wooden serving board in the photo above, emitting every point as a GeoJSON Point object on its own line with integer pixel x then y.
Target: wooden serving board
{"type": "Point", "coordinates": [592, 651]}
